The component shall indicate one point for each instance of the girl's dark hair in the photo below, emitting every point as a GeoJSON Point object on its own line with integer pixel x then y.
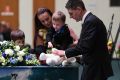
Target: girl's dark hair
{"type": "Point", "coordinates": [17, 34]}
{"type": "Point", "coordinates": [38, 24]}
{"type": "Point", "coordinates": [73, 4]}
{"type": "Point", "coordinates": [42, 10]}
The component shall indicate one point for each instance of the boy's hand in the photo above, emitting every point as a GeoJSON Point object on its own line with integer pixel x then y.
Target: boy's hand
{"type": "Point", "coordinates": [50, 45]}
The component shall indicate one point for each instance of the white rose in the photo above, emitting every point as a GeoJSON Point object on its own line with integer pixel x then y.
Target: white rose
{"type": "Point", "coordinates": [20, 53]}
{"type": "Point", "coordinates": [1, 43]}
{"type": "Point", "coordinates": [4, 42]}
{"type": "Point", "coordinates": [2, 59]}
{"type": "Point", "coordinates": [3, 64]}
{"type": "Point", "coordinates": [17, 48]}
{"type": "Point", "coordinates": [20, 58]}
{"type": "Point", "coordinates": [24, 49]}
{"type": "Point", "coordinates": [9, 52]}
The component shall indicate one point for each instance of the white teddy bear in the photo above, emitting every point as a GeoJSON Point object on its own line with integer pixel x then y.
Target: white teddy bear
{"type": "Point", "coordinates": [53, 60]}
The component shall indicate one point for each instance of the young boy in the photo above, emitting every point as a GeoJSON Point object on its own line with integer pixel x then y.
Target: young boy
{"type": "Point", "coordinates": [18, 37]}
{"type": "Point", "coordinates": [59, 35]}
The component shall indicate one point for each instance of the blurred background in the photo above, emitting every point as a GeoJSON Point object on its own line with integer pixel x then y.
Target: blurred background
{"type": "Point", "coordinates": [20, 14]}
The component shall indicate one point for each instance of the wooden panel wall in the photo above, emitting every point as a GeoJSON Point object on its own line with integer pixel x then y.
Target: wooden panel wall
{"type": "Point", "coordinates": [43, 3]}
{"type": "Point", "coordinates": [9, 12]}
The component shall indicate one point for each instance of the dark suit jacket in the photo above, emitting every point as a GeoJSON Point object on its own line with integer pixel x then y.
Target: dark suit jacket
{"type": "Point", "coordinates": [93, 46]}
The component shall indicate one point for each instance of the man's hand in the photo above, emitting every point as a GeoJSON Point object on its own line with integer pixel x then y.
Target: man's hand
{"type": "Point", "coordinates": [59, 52]}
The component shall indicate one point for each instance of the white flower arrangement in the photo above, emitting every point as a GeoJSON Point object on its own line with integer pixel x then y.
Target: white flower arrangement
{"type": "Point", "coordinates": [13, 55]}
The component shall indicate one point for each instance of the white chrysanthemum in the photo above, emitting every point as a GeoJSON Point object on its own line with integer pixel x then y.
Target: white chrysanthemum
{"type": "Point", "coordinates": [17, 48]}
{"type": "Point", "coordinates": [3, 64]}
{"type": "Point", "coordinates": [1, 43]}
{"type": "Point", "coordinates": [20, 58]}
{"type": "Point", "coordinates": [20, 53]}
{"type": "Point", "coordinates": [4, 42]}
{"type": "Point", "coordinates": [2, 59]}
{"type": "Point", "coordinates": [9, 52]}
{"type": "Point", "coordinates": [24, 49]}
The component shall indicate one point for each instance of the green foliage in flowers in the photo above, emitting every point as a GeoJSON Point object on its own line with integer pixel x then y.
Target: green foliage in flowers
{"type": "Point", "coordinates": [13, 55]}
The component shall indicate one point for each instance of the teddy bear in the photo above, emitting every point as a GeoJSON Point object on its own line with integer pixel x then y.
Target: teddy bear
{"type": "Point", "coordinates": [55, 60]}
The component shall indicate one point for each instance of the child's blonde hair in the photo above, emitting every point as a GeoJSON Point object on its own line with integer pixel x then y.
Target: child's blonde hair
{"type": "Point", "coordinates": [59, 16]}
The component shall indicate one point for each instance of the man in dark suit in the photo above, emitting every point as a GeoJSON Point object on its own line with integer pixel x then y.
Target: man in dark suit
{"type": "Point", "coordinates": [92, 44]}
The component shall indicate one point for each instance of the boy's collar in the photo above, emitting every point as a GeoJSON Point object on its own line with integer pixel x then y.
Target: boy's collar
{"type": "Point", "coordinates": [61, 28]}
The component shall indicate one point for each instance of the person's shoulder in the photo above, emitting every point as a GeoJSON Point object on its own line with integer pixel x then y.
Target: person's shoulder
{"type": "Point", "coordinates": [91, 18]}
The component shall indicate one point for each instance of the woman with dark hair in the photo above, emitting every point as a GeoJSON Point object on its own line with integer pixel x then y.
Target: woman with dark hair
{"type": "Point", "coordinates": [43, 23]}
{"type": "Point", "coordinates": [41, 29]}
